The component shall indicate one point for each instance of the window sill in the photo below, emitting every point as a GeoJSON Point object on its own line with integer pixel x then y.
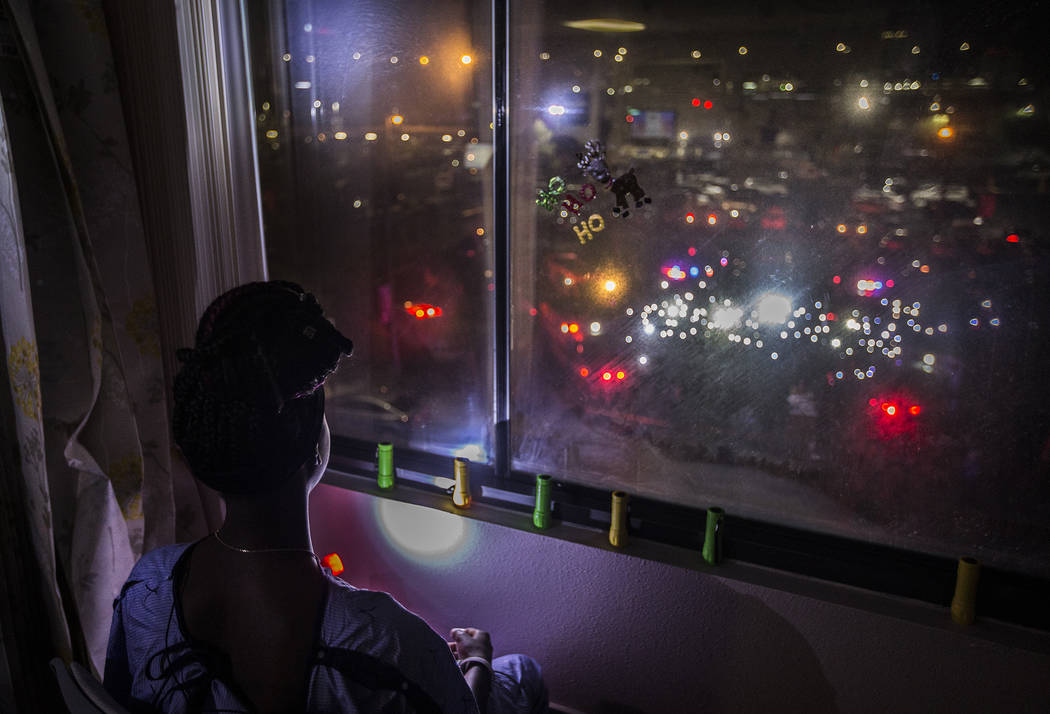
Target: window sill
{"type": "Point", "coordinates": [358, 475]}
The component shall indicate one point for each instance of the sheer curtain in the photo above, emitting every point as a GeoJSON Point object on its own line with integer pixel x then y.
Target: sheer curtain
{"type": "Point", "coordinates": [108, 254]}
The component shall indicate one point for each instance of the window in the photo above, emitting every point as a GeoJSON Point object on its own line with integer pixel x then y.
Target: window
{"type": "Point", "coordinates": [832, 310]}
{"type": "Point", "coordinates": [373, 133]}
{"type": "Point", "coordinates": [802, 273]}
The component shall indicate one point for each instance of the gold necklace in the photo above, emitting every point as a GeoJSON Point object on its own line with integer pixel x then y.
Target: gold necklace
{"type": "Point", "coordinates": [266, 550]}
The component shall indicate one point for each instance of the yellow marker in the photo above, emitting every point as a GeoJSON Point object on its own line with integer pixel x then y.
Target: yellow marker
{"type": "Point", "coordinates": [461, 491]}
{"type": "Point", "coordinates": [964, 603]}
{"type": "Point", "coordinates": [618, 529]}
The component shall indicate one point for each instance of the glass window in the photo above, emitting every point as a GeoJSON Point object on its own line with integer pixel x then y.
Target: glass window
{"type": "Point", "coordinates": [373, 141]}
{"type": "Point", "coordinates": [789, 259]}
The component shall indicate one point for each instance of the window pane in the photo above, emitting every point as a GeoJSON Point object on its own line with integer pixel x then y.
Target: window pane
{"type": "Point", "coordinates": [824, 301]}
{"type": "Point", "coordinates": [373, 130]}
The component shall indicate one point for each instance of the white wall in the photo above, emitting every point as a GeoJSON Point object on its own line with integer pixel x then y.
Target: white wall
{"type": "Point", "coordinates": [616, 633]}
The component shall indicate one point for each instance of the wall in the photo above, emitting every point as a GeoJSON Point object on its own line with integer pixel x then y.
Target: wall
{"type": "Point", "coordinates": [615, 633]}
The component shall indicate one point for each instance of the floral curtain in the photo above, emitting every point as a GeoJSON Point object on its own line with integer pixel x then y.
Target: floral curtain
{"type": "Point", "coordinates": [79, 321]}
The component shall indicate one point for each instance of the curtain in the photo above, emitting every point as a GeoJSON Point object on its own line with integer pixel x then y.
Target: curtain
{"type": "Point", "coordinates": [86, 382]}
{"type": "Point", "coordinates": [128, 201]}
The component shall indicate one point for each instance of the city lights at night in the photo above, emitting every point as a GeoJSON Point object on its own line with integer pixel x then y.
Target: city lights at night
{"type": "Point", "coordinates": [836, 280]}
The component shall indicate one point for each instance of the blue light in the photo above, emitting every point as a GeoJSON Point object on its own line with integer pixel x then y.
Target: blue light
{"type": "Point", "coordinates": [694, 271]}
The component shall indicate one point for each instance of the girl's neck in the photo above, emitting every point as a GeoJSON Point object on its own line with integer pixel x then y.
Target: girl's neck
{"type": "Point", "coordinates": [279, 519]}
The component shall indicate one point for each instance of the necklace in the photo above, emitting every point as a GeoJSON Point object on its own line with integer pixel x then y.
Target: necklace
{"type": "Point", "coordinates": [266, 550]}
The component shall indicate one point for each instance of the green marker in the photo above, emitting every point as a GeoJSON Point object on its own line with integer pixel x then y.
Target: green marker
{"type": "Point", "coordinates": [712, 550]}
{"type": "Point", "coordinates": [385, 464]}
{"type": "Point", "coordinates": [541, 514]}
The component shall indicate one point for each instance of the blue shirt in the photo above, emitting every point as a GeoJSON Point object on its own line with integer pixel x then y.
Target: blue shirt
{"type": "Point", "coordinates": [371, 653]}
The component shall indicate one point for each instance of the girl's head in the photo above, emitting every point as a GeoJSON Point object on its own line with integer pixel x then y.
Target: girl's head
{"type": "Point", "coordinates": [249, 397]}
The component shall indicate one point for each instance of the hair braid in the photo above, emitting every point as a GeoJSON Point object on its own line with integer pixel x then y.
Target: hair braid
{"type": "Point", "coordinates": [248, 398]}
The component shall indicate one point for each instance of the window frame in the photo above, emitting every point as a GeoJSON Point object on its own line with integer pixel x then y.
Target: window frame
{"type": "Point", "coordinates": [1011, 597]}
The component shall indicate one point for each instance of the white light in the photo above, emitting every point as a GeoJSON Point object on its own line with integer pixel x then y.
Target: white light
{"type": "Point", "coordinates": [643, 360]}
{"type": "Point", "coordinates": [929, 359]}
{"type": "Point", "coordinates": [596, 327]}
{"type": "Point", "coordinates": [726, 317]}
{"type": "Point", "coordinates": [430, 536]}
{"type": "Point", "coordinates": [610, 285]}
{"type": "Point", "coordinates": [863, 103]}
{"type": "Point", "coordinates": [575, 89]}
{"type": "Point", "coordinates": [555, 110]}
{"type": "Point", "coordinates": [773, 309]}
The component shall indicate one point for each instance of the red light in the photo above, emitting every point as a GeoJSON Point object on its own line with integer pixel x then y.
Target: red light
{"type": "Point", "coordinates": [606, 376]}
{"type": "Point", "coordinates": [708, 104]}
{"type": "Point", "coordinates": [584, 371]}
{"type": "Point", "coordinates": [914, 409]}
{"type": "Point", "coordinates": [1013, 238]}
{"type": "Point", "coordinates": [831, 317]}
{"type": "Point", "coordinates": [422, 311]}
{"type": "Point", "coordinates": [696, 102]}
{"type": "Point", "coordinates": [889, 283]}
{"type": "Point", "coordinates": [629, 119]}
{"type": "Point", "coordinates": [620, 375]}
{"type": "Point", "coordinates": [873, 401]}
{"type": "Point", "coordinates": [334, 563]}
{"type": "Point", "coordinates": [711, 219]}
{"type": "Point", "coordinates": [837, 279]}
{"type": "Point", "coordinates": [564, 327]}
{"type": "Point", "coordinates": [692, 251]}
{"type": "Point", "coordinates": [574, 328]}
{"type": "Point", "coordinates": [689, 218]}
{"type": "Point", "coordinates": [533, 311]}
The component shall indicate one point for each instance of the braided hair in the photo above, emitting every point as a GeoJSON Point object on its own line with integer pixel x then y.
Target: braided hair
{"type": "Point", "coordinates": [248, 397]}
